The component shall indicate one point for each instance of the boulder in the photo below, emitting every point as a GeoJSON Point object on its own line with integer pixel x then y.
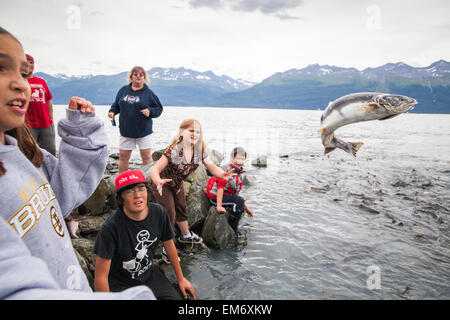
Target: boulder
{"type": "Point", "coordinates": [85, 248]}
{"type": "Point", "coordinates": [157, 154]}
{"type": "Point", "coordinates": [197, 205]}
{"type": "Point", "coordinates": [249, 180]}
{"type": "Point", "coordinates": [260, 161]}
{"type": "Point", "coordinates": [216, 157]}
{"type": "Point", "coordinates": [216, 232]}
{"type": "Point", "coordinates": [91, 224]}
{"type": "Point", "coordinates": [199, 177]}
{"type": "Point", "coordinates": [95, 205]}
{"type": "Point", "coordinates": [84, 266]}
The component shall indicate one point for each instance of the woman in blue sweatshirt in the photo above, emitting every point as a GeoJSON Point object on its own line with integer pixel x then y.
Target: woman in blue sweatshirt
{"type": "Point", "coordinates": [137, 106]}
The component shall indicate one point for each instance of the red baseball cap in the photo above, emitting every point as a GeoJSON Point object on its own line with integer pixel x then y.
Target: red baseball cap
{"type": "Point", "coordinates": [29, 57]}
{"type": "Point", "coordinates": [128, 178]}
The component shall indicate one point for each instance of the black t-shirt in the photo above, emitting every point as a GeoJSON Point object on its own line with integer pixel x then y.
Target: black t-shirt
{"type": "Point", "coordinates": [131, 245]}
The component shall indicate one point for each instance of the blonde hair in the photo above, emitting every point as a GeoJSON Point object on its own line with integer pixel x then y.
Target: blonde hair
{"type": "Point", "coordinates": [137, 68]}
{"type": "Point", "coordinates": [185, 124]}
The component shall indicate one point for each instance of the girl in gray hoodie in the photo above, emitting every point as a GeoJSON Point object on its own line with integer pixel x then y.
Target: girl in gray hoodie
{"type": "Point", "coordinates": [37, 191]}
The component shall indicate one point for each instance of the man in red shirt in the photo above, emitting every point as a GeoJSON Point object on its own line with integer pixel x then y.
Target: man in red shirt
{"type": "Point", "coordinates": [40, 111]}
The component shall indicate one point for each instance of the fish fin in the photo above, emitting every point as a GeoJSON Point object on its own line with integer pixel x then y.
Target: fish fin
{"type": "Point", "coordinates": [328, 150]}
{"type": "Point", "coordinates": [330, 136]}
{"type": "Point", "coordinates": [389, 117]}
{"type": "Point", "coordinates": [371, 107]}
{"type": "Point", "coordinates": [355, 147]}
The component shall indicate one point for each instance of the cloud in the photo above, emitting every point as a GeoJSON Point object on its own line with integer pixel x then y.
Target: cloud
{"type": "Point", "coordinates": [207, 3]}
{"type": "Point", "coordinates": [276, 8]}
{"type": "Point", "coordinates": [265, 6]}
{"type": "Point", "coordinates": [284, 16]}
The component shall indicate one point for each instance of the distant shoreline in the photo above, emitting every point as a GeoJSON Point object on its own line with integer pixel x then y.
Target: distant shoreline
{"type": "Point", "coordinates": [266, 108]}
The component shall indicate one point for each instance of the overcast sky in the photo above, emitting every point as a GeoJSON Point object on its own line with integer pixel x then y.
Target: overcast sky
{"type": "Point", "coordinates": [248, 39]}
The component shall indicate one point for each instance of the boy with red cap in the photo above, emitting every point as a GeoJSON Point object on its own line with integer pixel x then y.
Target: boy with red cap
{"type": "Point", "coordinates": [40, 111]}
{"type": "Point", "coordinates": [129, 238]}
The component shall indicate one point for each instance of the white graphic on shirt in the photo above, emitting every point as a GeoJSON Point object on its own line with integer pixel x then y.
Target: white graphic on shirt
{"type": "Point", "coordinates": [38, 94]}
{"type": "Point", "coordinates": [142, 262]}
{"type": "Point", "coordinates": [131, 99]}
{"type": "Point", "coordinates": [36, 203]}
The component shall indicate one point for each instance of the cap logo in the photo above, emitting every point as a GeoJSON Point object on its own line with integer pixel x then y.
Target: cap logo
{"type": "Point", "coordinates": [129, 178]}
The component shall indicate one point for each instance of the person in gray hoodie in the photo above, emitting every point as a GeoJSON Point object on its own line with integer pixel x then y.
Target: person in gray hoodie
{"type": "Point", "coordinates": [37, 191]}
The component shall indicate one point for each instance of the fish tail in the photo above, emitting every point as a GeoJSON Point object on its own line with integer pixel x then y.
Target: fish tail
{"type": "Point", "coordinates": [355, 147]}
{"type": "Point", "coordinates": [330, 143]}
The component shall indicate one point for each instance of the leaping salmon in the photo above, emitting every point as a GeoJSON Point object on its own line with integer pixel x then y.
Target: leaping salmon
{"type": "Point", "coordinates": [356, 107]}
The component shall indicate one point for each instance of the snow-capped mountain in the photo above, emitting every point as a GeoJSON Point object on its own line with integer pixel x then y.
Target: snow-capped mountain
{"type": "Point", "coordinates": [174, 86]}
{"type": "Point", "coordinates": [314, 86]}
{"type": "Point", "coordinates": [311, 87]}
{"type": "Point", "coordinates": [191, 76]}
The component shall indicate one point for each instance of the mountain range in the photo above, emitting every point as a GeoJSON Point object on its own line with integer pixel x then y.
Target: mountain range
{"type": "Point", "coordinates": [309, 88]}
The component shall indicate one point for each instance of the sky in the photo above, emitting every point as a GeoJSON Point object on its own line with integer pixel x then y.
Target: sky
{"type": "Point", "coordinates": [244, 39]}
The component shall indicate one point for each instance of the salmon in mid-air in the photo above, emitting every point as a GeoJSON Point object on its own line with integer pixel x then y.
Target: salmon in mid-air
{"type": "Point", "coordinates": [358, 107]}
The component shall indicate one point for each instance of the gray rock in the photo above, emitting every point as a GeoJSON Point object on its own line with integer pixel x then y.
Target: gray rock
{"type": "Point", "coordinates": [157, 154]}
{"type": "Point", "coordinates": [197, 205]}
{"type": "Point", "coordinates": [260, 161]}
{"type": "Point", "coordinates": [95, 205]}
{"type": "Point", "coordinates": [215, 156]}
{"type": "Point", "coordinates": [249, 180]}
{"type": "Point", "coordinates": [85, 248]}
{"type": "Point", "coordinates": [216, 232]}
{"type": "Point", "coordinates": [91, 224]}
{"type": "Point", "coordinates": [85, 268]}
{"type": "Point", "coordinates": [199, 177]}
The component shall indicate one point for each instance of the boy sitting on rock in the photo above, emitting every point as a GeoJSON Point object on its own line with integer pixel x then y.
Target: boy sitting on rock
{"type": "Point", "coordinates": [226, 193]}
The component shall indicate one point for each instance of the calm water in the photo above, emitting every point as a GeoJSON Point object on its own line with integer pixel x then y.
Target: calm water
{"type": "Point", "coordinates": [321, 222]}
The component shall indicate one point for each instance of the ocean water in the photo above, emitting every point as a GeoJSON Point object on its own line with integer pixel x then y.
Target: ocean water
{"type": "Point", "coordinates": [327, 227]}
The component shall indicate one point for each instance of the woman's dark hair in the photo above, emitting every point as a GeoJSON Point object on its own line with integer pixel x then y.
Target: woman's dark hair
{"type": "Point", "coordinates": [119, 199]}
{"type": "Point", "coordinates": [24, 138]}
{"type": "Point", "coordinates": [240, 151]}
{"type": "Point", "coordinates": [4, 31]}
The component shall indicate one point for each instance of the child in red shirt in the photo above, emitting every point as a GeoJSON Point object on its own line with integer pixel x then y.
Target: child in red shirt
{"type": "Point", "coordinates": [226, 193]}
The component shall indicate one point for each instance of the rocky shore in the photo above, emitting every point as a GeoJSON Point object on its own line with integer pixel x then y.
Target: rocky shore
{"type": "Point", "coordinates": [203, 219]}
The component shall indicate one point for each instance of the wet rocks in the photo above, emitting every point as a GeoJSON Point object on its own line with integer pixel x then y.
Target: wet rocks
{"type": "Point", "coordinates": [216, 231]}
{"type": "Point", "coordinates": [197, 205]}
{"type": "Point", "coordinates": [260, 161]}
{"type": "Point", "coordinates": [399, 183]}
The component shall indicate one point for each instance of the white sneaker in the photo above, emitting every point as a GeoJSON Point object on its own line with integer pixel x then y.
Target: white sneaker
{"type": "Point", "coordinates": [192, 238]}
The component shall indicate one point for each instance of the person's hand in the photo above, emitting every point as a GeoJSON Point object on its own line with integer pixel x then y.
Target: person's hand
{"type": "Point", "coordinates": [145, 112]}
{"type": "Point", "coordinates": [81, 104]}
{"type": "Point", "coordinates": [159, 185]}
{"type": "Point", "coordinates": [184, 285]}
{"type": "Point", "coordinates": [221, 209]}
{"type": "Point", "coordinates": [248, 211]}
{"type": "Point", "coordinates": [111, 115]}
{"type": "Point", "coordinates": [228, 174]}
